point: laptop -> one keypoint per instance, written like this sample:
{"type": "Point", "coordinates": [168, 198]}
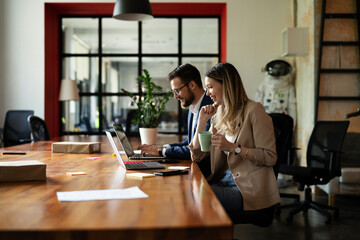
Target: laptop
{"type": "Point", "coordinates": [134, 165]}
{"type": "Point", "coordinates": [124, 141]}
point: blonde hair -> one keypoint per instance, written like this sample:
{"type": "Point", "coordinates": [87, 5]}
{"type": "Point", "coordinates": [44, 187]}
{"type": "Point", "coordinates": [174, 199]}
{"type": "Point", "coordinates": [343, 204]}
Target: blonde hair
{"type": "Point", "coordinates": [231, 113]}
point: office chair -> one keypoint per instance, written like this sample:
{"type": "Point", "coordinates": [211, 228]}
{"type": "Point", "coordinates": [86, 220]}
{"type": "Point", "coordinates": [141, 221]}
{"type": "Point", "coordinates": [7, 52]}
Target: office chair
{"type": "Point", "coordinates": [105, 124]}
{"type": "Point", "coordinates": [86, 121]}
{"type": "Point", "coordinates": [16, 127]}
{"type": "Point", "coordinates": [264, 217]}
{"type": "Point", "coordinates": [39, 130]}
{"type": "Point", "coordinates": [323, 164]}
{"type": "Point", "coordinates": [287, 156]}
{"type": "Point", "coordinates": [1, 137]}
{"type": "Point", "coordinates": [129, 123]}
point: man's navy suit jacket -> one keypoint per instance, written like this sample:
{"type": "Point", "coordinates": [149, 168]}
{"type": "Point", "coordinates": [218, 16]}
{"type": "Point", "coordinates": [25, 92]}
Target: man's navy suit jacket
{"type": "Point", "coordinates": [181, 150]}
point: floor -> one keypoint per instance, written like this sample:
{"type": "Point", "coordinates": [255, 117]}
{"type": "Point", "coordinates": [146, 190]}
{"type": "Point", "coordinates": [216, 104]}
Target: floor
{"type": "Point", "coordinates": [310, 226]}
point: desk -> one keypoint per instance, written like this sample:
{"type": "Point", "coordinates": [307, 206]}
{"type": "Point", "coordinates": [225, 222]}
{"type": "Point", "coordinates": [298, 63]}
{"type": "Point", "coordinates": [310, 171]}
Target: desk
{"type": "Point", "coordinates": [178, 207]}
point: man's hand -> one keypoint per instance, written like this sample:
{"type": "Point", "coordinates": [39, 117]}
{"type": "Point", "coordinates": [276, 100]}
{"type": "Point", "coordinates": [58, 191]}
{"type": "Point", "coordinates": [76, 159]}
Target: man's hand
{"type": "Point", "coordinates": [150, 149]}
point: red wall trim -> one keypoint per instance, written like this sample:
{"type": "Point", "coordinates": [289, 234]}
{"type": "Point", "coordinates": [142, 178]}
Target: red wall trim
{"type": "Point", "coordinates": [160, 9]}
{"type": "Point", "coordinates": [51, 70]}
{"type": "Point", "coordinates": [53, 11]}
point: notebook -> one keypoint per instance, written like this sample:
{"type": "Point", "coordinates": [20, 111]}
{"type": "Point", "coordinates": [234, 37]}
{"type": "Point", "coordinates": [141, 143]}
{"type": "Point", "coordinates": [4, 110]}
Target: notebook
{"type": "Point", "coordinates": [134, 165]}
{"type": "Point", "coordinates": [124, 141]}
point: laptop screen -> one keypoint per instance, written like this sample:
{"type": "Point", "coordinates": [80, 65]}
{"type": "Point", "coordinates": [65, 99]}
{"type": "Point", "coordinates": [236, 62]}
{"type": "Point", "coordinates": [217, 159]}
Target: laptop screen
{"type": "Point", "coordinates": [116, 151]}
{"type": "Point", "coordinates": [119, 130]}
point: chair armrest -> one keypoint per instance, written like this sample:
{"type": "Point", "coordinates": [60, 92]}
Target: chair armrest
{"type": "Point", "coordinates": [290, 156]}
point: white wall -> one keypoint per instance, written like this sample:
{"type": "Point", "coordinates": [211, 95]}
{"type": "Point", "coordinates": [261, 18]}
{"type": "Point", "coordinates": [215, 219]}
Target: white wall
{"type": "Point", "coordinates": [22, 56]}
{"type": "Point", "coordinates": [2, 63]}
{"type": "Point", "coordinates": [253, 37]}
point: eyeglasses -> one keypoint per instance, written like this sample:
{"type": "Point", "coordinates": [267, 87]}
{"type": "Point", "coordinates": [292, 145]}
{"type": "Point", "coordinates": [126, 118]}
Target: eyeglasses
{"type": "Point", "coordinates": [177, 90]}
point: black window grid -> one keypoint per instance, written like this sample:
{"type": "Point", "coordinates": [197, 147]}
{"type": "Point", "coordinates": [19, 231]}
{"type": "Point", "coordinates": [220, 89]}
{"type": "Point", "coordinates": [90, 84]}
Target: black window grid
{"type": "Point", "coordinates": [100, 94]}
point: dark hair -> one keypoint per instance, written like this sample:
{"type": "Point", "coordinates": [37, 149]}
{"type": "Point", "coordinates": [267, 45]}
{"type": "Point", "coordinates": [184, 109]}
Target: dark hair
{"type": "Point", "coordinates": [186, 73]}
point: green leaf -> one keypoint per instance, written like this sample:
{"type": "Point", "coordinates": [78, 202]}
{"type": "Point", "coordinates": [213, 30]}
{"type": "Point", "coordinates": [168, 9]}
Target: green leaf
{"type": "Point", "coordinates": [150, 106]}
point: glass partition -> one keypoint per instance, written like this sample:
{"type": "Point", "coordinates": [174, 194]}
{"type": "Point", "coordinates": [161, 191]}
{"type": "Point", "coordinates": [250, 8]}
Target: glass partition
{"type": "Point", "coordinates": [84, 70]}
{"type": "Point", "coordinates": [119, 36]}
{"type": "Point", "coordinates": [200, 35]}
{"type": "Point", "coordinates": [118, 73]}
{"type": "Point", "coordinates": [80, 35]}
{"type": "Point", "coordinates": [105, 55]}
{"type": "Point", "coordinates": [160, 36]}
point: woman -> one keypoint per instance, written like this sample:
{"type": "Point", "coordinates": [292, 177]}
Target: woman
{"type": "Point", "coordinates": [243, 149]}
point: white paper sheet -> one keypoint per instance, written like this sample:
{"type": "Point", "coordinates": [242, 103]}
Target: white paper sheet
{"type": "Point", "coordinates": [21, 163]}
{"type": "Point", "coordinates": [90, 195]}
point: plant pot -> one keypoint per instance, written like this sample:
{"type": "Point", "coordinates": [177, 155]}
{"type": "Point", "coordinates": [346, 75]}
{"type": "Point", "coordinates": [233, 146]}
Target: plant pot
{"type": "Point", "coordinates": [148, 135]}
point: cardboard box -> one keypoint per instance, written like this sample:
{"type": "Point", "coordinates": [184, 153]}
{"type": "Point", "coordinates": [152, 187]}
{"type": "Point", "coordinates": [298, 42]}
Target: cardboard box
{"type": "Point", "coordinates": [76, 147]}
{"type": "Point", "coordinates": [27, 170]}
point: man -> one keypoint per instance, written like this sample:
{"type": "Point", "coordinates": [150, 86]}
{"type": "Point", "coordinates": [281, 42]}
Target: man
{"type": "Point", "coordinates": [186, 85]}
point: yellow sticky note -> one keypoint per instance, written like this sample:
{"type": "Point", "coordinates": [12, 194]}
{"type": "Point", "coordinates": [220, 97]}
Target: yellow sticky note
{"type": "Point", "coordinates": [140, 175]}
{"type": "Point", "coordinates": [75, 173]}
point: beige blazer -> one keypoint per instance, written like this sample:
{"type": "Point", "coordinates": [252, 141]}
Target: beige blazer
{"type": "Point", "coordinates": [255, 178]}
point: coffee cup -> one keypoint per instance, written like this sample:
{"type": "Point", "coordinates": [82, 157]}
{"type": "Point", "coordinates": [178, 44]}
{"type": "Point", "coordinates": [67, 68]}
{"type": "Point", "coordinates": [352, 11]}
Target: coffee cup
{"type": "Point", "coordinates": [205, 141]}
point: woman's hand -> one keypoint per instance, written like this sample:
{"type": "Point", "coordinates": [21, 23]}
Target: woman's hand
{"type": "Point", "coordinates": [218, 140]}
{"type": "Point", "coordinates": [207, 112]}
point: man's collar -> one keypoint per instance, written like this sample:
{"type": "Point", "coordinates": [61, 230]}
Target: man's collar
{"type": "Point", "coordinates": [194, 108]}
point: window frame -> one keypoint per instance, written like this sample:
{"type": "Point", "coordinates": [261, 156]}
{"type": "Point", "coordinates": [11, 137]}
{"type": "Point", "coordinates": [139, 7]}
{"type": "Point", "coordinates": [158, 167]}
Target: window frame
{"type": "Point", "coordinates": [55, 11]}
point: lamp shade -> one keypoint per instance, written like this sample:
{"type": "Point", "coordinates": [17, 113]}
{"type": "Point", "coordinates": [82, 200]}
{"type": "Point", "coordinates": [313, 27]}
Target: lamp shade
{"type": "Point", "coordinates": [132, 10]}
{"type": "Point", "coordinates": [68, 90]}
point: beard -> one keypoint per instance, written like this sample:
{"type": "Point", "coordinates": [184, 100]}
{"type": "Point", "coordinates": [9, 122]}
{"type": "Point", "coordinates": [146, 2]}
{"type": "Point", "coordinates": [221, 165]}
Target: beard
{"type": "Point", "coordinates": [188, 101]}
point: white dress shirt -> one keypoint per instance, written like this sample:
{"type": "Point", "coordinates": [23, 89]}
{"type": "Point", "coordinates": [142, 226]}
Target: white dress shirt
{"type": "Point", "coordinates": [194, 110]}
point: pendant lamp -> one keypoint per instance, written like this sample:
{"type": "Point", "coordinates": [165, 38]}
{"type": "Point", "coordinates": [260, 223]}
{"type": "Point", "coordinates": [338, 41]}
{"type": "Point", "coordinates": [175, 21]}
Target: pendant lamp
{"type": "Point", "coordinates": [132, 10]}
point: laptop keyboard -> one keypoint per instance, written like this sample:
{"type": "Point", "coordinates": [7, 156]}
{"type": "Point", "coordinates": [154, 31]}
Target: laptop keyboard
{"type": "Point", "coordinates": [136, 165]}
{"type": "Point", "coordinates": [137, 156]}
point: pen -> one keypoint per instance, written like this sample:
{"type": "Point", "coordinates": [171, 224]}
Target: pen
{"type": "Point", "coordinates": [14, 153]}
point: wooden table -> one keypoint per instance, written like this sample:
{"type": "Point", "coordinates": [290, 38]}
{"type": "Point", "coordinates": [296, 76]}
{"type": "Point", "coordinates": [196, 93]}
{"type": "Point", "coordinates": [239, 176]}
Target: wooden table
{"type": "Point", "coordinates": [178, 207]}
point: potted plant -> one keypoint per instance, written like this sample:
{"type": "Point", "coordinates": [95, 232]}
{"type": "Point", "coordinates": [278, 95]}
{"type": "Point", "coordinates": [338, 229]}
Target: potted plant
{"type": "Point", "coordinates": [150, 106]}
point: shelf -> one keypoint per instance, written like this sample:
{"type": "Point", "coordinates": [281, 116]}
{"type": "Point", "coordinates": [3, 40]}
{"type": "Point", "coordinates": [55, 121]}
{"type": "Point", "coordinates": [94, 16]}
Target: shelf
{"type": "Point", "coordinates": [340, 15]}
{"type": "Point", "coordinates": [337, 43]}
{"type": "Point", "coordinates": [323, 70]}
{"type": "Point", "coordinates": [346, 20]}
{"type": "Point", "coordinates": [339, 98]}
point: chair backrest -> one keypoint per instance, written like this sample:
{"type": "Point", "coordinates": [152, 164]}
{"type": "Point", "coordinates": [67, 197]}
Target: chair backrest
{"type": "Point", "coordinates": [39, 130]}
{"type": "Point", "coordinates": [129, 123]}
{"type": "Point", "coordinates": [283, 128]}
{"type": "Point", "coordinates": [326, 137]}
{"type": "Point", "coordinates": [290, 145]}
{"type": "Point", "coordinates": [16, 127]}
{"type": "Point", "coordinates": [85, 120]}
{"type": "Point", "coordinates": [105, 123]}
